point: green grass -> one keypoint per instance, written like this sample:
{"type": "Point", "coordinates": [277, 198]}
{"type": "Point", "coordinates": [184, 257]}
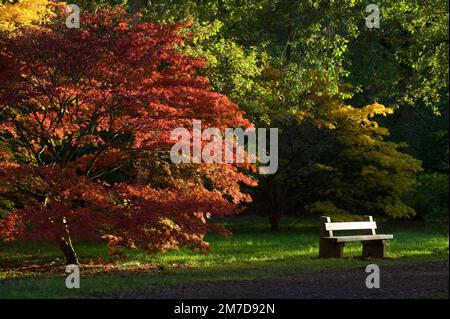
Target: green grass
{"type": "Point", "coordinates": [251, 253]}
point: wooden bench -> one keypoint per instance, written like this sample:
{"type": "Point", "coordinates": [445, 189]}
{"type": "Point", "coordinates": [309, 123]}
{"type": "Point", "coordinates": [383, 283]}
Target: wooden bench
{"type": "Point", "coordinates": [333, 246]}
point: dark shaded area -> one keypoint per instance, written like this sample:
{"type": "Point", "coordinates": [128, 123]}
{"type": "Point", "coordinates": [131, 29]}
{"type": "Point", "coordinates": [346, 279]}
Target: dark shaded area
{"type": "Point", "coordinates": [428, 280]}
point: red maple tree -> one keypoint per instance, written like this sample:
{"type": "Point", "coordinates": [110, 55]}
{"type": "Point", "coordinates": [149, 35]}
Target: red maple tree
{"type": "Point", "coordinates": [85, 121]}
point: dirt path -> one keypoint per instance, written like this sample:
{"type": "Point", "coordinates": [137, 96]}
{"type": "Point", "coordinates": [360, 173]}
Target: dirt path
{"type": "Point", "coordinates": [403, 281]}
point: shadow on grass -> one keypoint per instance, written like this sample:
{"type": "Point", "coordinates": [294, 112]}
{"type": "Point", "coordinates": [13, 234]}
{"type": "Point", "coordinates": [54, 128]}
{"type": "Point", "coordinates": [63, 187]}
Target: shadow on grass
{"type": "Point", "coordinates": [116, 281]}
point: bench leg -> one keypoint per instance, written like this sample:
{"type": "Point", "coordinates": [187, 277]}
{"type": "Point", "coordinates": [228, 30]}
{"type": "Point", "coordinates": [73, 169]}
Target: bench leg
{"type": "Point", "coordinates": [374, 249]}
{"type": "Point", "coordinates": [328, 249]}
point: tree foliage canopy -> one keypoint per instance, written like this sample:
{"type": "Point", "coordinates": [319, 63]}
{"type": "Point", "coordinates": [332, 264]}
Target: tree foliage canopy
{"type": "Point", "coordinates": [87, 116]}
{"type": "Point", "coordinates": [15, 14]}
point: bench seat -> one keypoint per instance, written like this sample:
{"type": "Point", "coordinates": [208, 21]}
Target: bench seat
{"type": "Point", "coordinates": [344, 239]}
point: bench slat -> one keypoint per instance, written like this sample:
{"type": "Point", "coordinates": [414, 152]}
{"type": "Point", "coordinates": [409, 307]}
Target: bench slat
{"type": "Point", "coordinates": [350, 225]}
{"type": "Point", "coordinates": [342, 239]}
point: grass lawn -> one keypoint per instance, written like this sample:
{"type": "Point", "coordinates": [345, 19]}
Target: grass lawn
{"type": "Point", "coordinates": [35, 270]}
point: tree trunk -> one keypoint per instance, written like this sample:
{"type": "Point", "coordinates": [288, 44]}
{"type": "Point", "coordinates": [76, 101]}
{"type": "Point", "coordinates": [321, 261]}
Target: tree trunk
{"type": "Point", "coordinates": [274, 219]}
{"type": "Point", "coordinates": [277, 199]}
{"type": "Point", "coordinates": [289, 45]}
{"type": "Point", "coordinates": [66, 247]}
{"type": "Point", "coordinates": [135, 5]}
{"type": "Point", "coordinates": [65, 243]}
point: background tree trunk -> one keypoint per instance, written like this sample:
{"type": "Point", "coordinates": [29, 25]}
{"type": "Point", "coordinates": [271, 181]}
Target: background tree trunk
{"type": "Point", "coordinates": [274, 219]}
{"type": "Point", "coordinates": [277, 198]}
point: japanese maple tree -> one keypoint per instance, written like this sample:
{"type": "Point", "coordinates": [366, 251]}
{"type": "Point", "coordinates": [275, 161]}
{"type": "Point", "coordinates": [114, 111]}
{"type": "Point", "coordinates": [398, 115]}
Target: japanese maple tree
{"type": "Point", "coordinates": [85, 122]}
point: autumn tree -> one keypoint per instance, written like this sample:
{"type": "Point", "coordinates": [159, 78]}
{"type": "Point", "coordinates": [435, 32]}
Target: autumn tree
{"type": "Point", "coordinates": [86, 120]}
{"type": "Point", "coordinates": [335, 159]}
{"type": "Point", "coordinates": [18, 13]}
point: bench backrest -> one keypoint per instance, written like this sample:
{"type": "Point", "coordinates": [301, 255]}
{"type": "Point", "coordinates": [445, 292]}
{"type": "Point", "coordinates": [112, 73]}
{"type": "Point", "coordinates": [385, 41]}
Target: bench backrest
{"type": "Point", "coordinates": [327, 227]}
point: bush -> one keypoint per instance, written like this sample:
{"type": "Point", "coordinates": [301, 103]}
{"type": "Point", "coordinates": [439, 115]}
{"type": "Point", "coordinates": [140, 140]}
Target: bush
{"type": "Point", "coordinates": [430, 199]}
